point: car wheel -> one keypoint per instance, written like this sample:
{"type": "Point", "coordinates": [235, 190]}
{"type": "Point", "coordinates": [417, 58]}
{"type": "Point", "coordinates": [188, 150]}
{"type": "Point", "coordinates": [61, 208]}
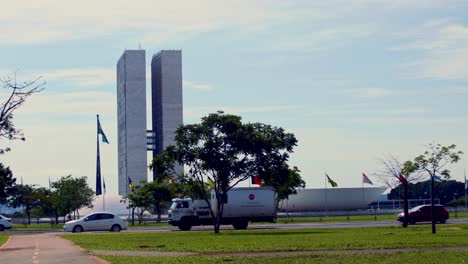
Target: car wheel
{"type": "Point", "coordinates": [241, 224]}
{"type": "Point", "coordinates": [116, 228]}
{"type": "Point", "coordinates": [2, 228]}
{"type": "Point", "coordinates": [412, 222]}
{"type": "Point", "coordinates": [77, 229]}
{"type": "Point", "coordinates": [442, 221]}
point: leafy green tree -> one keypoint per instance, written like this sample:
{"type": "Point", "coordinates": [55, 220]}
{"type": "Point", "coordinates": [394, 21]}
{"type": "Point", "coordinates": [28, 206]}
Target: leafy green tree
{"type": "Point", "coordinates": [224, 151]}
{"type": "Point", "coordinates": [284, 180]}
{"type": "Point", "coordinates": [160, 193]}
{"type": "Point", "coordinates": [47, 203]}
{"type": "Point", "coordinates": [434, 162]}
{"type": "Point", "coordinates": [7, 183]}
{"type": "Point", "coordinates": [139, 201]}
{"type": "Point", "coordinates": [72, 194]}
{"type": "Point", "coordinates": [17, 93]}
{"type": "Point", "coordinates": [23, 196]}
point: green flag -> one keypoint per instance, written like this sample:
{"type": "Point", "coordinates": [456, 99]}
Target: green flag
{"type": "Point", "coordinates": [332, 182]}
{"type": "Point", "coordinates": [101, 132]}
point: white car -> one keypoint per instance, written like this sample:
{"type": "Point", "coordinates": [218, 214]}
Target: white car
{"type": "Point", "coordinates": [5, 223]}
{"type": "Point", "coordinates": [100, 221]}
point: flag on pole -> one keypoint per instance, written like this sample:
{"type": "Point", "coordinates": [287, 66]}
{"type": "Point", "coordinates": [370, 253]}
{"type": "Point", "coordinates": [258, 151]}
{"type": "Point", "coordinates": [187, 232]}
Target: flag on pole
{"type": "Point", "coordinates": [101, 132]}
{"type": "Point", "coordinates": [332, 182]}
{"type": "Point", "coordinates": [256, 180]}
{"type": "Point", "coordinates": [403, 179]}
{"type": "Point", "coordinates": [130, 183]}
{"type": "Point", "coordinates": [366, 179]}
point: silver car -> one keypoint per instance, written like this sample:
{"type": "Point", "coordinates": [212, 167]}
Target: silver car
{"type": "Point", "coordinates": [5, 223]}
{"type": "Point", "coordinates": [101, 221]}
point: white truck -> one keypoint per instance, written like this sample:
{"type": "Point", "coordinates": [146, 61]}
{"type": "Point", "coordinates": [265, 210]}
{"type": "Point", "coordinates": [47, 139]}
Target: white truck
{"type": "Point", "coordinates": [243, 205]}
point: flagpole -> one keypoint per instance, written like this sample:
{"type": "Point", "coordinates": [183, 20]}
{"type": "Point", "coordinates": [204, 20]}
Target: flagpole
{"type": "Point", "coordinates": [464, 173]}
{"type": "Point", "coordinates": [326, 200]}
{"type": "Point", "coordinates": [98, 162]}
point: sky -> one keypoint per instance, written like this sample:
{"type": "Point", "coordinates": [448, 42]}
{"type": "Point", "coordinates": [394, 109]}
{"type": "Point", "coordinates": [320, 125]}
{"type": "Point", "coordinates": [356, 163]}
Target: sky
{"type": "Point", "coordinates": [353, 80]}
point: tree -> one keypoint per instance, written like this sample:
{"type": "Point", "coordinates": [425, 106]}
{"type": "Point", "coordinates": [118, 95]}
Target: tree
{"type": "Point", "coordinates": [139, 200]}
{"type": "Point", "coordinates": [7, 182]}
{"type": "Point", "coordinates": [395, 173]}
{"type": "Point", "coordinates": [435, 161]}
{"type": "Point", "coordinates": [17, 93]}
{"type": "Point", "coordinates": [224, 151]}
{"type": "Point", "coordinates": [47, 203]}
{"type": "Point", "coordinates": [284, 180]}
{"type": "Point", "coordinates": [23, 195]}
{"type": "Point", "coordinates": [160, 192]}
{"type": "Point", "coordinates": [72, 194]}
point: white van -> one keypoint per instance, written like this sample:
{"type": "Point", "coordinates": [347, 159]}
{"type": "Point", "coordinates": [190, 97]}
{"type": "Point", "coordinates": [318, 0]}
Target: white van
{"type": "Point", "coordinates": [5, 223]}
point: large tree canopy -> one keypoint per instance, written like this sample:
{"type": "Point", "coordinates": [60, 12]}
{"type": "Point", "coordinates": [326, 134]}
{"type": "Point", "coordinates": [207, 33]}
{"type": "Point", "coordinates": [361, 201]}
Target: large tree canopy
{"type": "Point", "coordinates": [224, 151]}
{"type": "Point", "coordinates": [7, 182]}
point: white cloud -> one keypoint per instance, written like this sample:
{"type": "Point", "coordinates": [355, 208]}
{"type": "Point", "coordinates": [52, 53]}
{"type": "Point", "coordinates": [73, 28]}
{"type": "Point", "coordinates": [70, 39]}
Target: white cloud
{"type": "Point", "coordinates": [369, 92]}
{"type": "Point", "coordinates": [68, 105]}
{"type": "Point", "coordinates": [82, 77]}
{"type": "Point", "coordinates": [197, 112]}
{"type": "Point", "coordinates": [197, 86]}
{"type": "Point", "coordinates": [50, 20]}
{"type": "Point", "coordinates": [443, 45]}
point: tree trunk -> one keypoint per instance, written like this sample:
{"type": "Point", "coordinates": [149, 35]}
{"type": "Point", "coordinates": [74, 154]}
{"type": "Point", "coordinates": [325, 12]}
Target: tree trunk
{"type": "Point", "coordinates": [133, 216]}
{"type": "Point", "coordinates": [28, 214]}
{"type": "Point", "coordinates": [406, 218]}
{"type": "Point", "coordinates": [432, 205]}
{"type": "Point", "coordinates": [158, 212]}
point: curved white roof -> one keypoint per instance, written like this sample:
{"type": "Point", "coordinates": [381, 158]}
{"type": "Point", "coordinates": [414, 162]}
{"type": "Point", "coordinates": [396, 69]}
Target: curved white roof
{"type": "Point", "coordinates": [331, 199]}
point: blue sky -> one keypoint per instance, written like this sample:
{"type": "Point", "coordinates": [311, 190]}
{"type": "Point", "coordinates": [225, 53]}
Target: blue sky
{"type": "Point", "coordinates": [354, 80]}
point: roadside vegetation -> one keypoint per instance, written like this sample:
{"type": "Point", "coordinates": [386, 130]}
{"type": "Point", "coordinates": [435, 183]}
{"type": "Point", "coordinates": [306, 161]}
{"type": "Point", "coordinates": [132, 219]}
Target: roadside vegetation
{"type": "Point", "coordinates": [423, 257]}
{"type": "Point", "coordinates": [3, 238]}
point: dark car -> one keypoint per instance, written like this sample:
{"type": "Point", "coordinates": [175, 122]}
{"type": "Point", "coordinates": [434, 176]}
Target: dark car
{"type": "Point", "coordinates": [422, 213]}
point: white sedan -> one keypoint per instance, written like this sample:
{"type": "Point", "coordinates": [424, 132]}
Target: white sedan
{"type": "Point", "coordinates": [5, 223]}
{"type": "Point", "coordinates": [97, 222]}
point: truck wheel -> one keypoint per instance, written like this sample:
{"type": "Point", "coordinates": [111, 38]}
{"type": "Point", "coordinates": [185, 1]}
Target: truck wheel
{"type": "Point", "coordinates": [241, 224]}
{"type": "Point", "coordinates": [185, 227]}
{"type": "Point", "coordinates": [2, 228]}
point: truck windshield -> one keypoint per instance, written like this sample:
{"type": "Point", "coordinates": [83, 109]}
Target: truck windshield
{"type": "Point", "coordinates": [179, 204]}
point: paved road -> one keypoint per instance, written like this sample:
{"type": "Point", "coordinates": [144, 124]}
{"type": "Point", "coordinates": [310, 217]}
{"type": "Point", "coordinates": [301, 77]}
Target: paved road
{"type": "Point", "coordinates": [44, 248]}
{"type": "Point", "coordinates": [292, 225]}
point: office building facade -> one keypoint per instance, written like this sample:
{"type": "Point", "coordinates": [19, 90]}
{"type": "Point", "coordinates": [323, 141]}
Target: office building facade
{"type": "Point", "coordinates": [166, 95]}
{"type": "Point", "coordinates": [131, 119]}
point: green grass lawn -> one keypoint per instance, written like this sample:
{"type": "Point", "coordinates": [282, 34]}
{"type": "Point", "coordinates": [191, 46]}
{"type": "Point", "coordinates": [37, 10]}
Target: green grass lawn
{"type": "Point", "coordinates": [274, 240]}
{"type": "Point", "coordinates": [423, 257]}
{"type": "Point", "coordinates": [3, 238]}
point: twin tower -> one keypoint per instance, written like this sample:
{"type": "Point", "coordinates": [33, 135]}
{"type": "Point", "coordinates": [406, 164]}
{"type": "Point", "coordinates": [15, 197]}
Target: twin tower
{"type": "Point", "coordinates": [134, 139]}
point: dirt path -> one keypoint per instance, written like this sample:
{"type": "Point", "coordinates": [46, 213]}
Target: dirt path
{"type": "Point", "coordinates": [261, 253]}
{"type": "Point", "coordinates": [43, 248]}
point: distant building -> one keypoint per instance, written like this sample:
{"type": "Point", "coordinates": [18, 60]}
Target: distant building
{"type": "Point", "coordinates": [131, 115]}
{"type": "Point", "coordinates": [166, 95]}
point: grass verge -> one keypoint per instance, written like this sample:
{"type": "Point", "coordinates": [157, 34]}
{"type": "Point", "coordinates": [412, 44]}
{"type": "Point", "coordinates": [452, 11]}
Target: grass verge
{"type": "Point", "coordinates": [3, 238]}
{"type": "Point", "coordinates": [423, 257]}
{"type": "Point", "coordinates": [275, 240]}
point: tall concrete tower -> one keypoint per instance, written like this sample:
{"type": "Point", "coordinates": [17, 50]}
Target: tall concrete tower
{"type": "Point", "coordinates": [166, 95]}
{"type": "Point", "coordinates": [131, 115]}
